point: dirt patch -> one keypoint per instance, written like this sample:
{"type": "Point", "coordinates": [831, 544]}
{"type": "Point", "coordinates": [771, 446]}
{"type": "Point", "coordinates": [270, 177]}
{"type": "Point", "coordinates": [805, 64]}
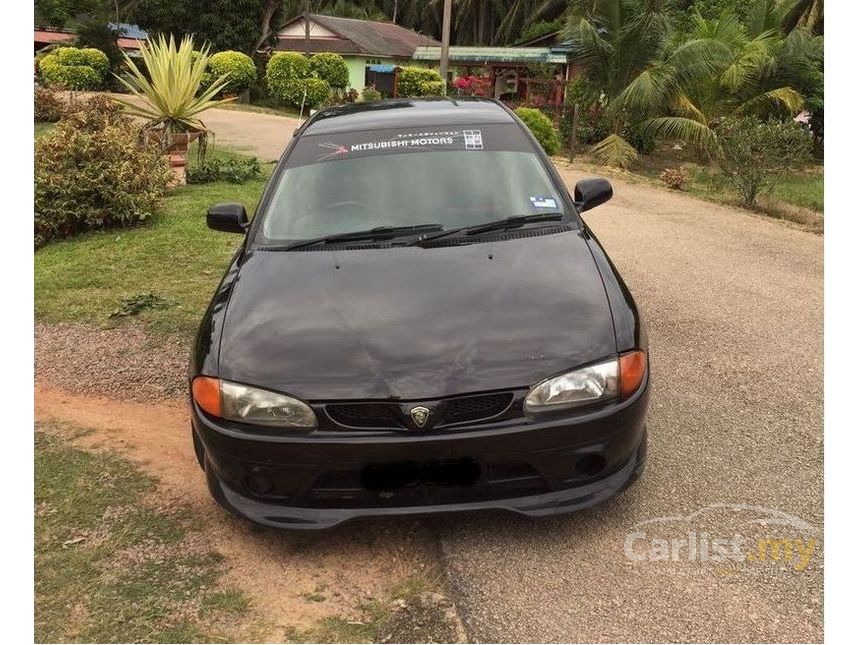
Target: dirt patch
{"type": "Point", "coordinates": [124, 362]}
{"type": "Point", "coordinates": [282, 573]}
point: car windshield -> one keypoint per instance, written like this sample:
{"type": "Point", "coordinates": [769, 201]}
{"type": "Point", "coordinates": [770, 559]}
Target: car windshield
{"type": "Point", "coordinates": [338, 183]}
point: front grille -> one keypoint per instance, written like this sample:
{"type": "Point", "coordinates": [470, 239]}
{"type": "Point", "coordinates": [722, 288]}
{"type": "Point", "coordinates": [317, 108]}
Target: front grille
{"type": "Point", "coordinates": [364, 415]}
{"type": "Point", "coordinates": [395, 416]}
{"type": "Point", "coordinates": [471, 408]}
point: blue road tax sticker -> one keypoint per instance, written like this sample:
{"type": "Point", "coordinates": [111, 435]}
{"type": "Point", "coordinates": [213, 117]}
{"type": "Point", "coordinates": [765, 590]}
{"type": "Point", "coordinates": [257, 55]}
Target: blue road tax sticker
{"type": "Point", "coordinates": [543, 202]}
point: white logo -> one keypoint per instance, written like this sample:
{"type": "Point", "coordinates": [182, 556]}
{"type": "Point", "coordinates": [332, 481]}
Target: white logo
{"type": "Point", "coordinates": [473, 139]}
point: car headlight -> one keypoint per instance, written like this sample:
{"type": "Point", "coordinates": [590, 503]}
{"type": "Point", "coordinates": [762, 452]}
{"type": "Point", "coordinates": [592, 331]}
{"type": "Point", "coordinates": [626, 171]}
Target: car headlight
{"type": "Point", "coordinates": [253, 405]}
{"type": "Point", "coordinates": [619, 377]}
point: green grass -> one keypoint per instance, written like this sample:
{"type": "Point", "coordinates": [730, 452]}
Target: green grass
{"type": "Point", "coordinates": [799, 196]}
{"type": "Point", "coordinates": [800, 189]}
{"type": "Point", "coordinates": [111, 568]}
{"type": "Point", "coordinates": [174, 256]}
{"type": "Point", "coordinates": [383, 620]}
{"type": "Point", "coordinates": [42, 128]}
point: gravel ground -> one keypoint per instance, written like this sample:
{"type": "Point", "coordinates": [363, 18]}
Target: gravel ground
{"type": "Point", "coordinates": [123, 363]}
{"type": "Point", "coordinates": [734, 307]}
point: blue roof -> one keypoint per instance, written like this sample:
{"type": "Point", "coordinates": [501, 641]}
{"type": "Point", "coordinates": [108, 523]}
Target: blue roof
{"type": "Point", "coordinates": [125, 30]}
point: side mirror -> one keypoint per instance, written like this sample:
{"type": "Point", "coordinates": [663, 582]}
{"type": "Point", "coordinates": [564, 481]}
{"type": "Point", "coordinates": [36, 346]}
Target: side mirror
{"type": "Point", "coordinates": [228, 217]}
{"type": "Point", "coordinates": [592, 192]}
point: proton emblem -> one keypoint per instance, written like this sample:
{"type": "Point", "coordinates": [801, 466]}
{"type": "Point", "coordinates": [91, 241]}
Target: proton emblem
{"type": "Point", "coordinates": [419, 415]}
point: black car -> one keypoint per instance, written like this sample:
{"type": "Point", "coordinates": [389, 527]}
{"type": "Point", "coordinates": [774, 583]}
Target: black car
{"type": "Point", "coordinates": [417, 320]}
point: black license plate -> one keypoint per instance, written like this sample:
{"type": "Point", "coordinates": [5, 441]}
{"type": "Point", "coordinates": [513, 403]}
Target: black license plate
{"type": "Point", "coordinates": [385, 477]}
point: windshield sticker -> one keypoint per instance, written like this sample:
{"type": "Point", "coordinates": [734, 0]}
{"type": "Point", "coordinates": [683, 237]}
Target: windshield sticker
{"type": "Point", "coordinates": [473, 140]}
{"type": "Point", "coordinates": [446, 140]}
{"type": "Point", "coordinates": [543, 202]}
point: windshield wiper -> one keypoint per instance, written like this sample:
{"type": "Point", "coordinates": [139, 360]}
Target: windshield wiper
{"type": "Point", "coordinates": [377, 233]}
{"type": "Point", "coordinates": [509, 222]}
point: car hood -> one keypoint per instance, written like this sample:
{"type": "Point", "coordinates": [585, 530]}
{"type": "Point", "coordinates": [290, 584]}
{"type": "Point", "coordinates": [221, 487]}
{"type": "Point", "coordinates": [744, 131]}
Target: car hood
{"type": "Point", "coordinates": [414, 323]}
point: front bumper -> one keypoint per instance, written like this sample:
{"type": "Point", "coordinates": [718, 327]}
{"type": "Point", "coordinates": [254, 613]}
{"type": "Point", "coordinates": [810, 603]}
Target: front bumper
{"type": "Point", "coordinates": [534, 468]}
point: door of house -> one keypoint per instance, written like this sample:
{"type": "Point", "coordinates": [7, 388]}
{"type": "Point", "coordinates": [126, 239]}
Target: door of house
{"type": "Point", "coordinates": [382, 77]}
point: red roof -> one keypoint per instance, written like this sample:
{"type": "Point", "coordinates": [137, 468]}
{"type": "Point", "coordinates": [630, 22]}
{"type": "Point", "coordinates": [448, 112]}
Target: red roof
{"type": "Point", "coordinates": [48, 36]}
{"type": "Point", "coordinates": [43, 37]}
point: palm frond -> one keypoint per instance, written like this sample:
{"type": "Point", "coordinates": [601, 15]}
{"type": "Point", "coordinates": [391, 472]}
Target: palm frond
{"type": "Point", "coordinates": [783, 99]}
{"type": "Point", "coordinates": [751, 62]}
{"type": "Point", "coordinates": [685, 106]}
{"type": "Point", "coordinates": [647, 92]}
{"type": "Point", "coordinates": [677, 128]}
{"type": "Point", "coordinates": [615, 151]}
{"type": "Point", "coordinates": [589, 46]}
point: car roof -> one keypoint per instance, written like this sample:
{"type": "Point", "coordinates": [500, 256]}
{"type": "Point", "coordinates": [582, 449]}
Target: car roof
{"type": "Point", "coordinates": [401, 113]}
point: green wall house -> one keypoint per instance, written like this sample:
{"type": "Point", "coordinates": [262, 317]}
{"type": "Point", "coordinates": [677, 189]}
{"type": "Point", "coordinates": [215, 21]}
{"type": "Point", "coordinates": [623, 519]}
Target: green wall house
{"type": "Point", "coordinates": [372, 50]}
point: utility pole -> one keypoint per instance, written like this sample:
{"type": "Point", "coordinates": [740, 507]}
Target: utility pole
{"type": "Point", "coordinates": [446, 41]}
{"type": "Point", "coordinates": [308, 28]}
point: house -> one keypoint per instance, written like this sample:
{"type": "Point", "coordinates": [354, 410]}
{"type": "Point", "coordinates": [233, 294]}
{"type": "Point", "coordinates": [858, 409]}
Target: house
{"type": "Point", "coordinates": [511, 70]}
{"type": "Point", "coordinates": [372, 50]}
{"type": "Point", "coordinates": [128, 37]}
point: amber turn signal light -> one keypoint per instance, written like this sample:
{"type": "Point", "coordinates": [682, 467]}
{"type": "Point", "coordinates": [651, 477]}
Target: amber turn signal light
{"type": "Point", "coordinates": [207, 394]}
{"type": "Point", "coordinates": [632, 370]}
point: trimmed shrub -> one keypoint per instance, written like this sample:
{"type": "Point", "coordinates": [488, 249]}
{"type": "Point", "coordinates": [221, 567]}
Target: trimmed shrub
{"type": "Point", "coordinates": [419, 81]}
{"type": "Point", "coordinates": [74, 69]}
{"type": "Point", "coordinates": [313, 91]}
{"type": "Point", "coordinates": [541, 127]}
{"type": "Point", "coordinates": [754, 154]}
{"type": "Point", "coordinates": [432, 88]}
{"type": "Point", "coordinates": [331, 68]}
{"type": "Point", "coordinates": [282, 73]}
{"type": "Point", "coordinates": [92, 171]}
{"type": "Point", "coordinates": [371, 94]}
{"type": "Point", "coordinates": [318, 91]}
{"type": "Point", "coordinates": [674, 178]}
{"type": "Point", "coordinates": [47, 106]}
{"type": "Point", "coordinates": [238, 67]}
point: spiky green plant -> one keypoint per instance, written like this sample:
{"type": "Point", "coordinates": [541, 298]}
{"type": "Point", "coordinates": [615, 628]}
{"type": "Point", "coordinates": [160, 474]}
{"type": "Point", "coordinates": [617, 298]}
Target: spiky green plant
{"type": "Point", "coordinates": [169, 90]}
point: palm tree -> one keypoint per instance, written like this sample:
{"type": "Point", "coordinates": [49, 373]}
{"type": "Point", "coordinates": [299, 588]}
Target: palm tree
{"type": "Point", "coordinates": [720, 70]}
{"type": "Point", "coordinates": [616, 41]}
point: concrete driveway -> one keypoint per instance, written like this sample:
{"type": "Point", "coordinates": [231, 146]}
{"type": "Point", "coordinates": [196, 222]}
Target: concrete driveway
{"type": "Point", "coordinates": [263, 135]}
{"type": "Point", "coordinates": [734, 307]}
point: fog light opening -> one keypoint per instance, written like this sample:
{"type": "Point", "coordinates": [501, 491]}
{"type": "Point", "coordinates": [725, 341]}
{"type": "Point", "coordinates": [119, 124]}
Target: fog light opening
{"type": "Point", "coordinates": [259, 484]}
{"type": "Point", "coordinates": [590, 465]}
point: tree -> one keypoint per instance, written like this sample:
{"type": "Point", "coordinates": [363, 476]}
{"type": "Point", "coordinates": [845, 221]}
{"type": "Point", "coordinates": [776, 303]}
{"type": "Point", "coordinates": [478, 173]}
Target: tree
{"type": "Point", "coordinates": [723, 68]}
{"type": "Point", "coordinates": [59, 13]}
{"type": "Point", "coordinates": [615, 41]}
{"type": "Point", "coordinates": [754, 154]}
{"type": "Point", "coordinates": [241, 25]}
